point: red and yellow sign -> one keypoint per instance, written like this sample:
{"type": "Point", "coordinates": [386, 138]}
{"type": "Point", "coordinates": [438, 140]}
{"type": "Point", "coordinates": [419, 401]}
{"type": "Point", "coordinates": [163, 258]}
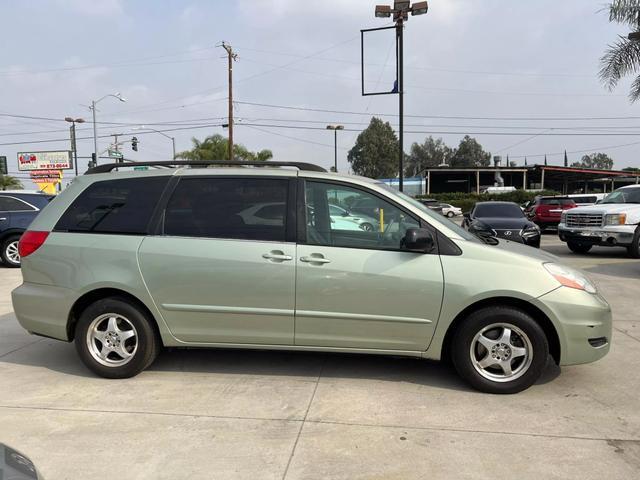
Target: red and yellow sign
{"type": "Point", "coordinates": [47, 180]}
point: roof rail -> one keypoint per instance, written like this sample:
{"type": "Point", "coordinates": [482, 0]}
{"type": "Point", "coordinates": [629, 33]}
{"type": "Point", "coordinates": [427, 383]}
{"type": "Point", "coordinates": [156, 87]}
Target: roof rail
{"type": "Point", "coordinates": [204, 163]}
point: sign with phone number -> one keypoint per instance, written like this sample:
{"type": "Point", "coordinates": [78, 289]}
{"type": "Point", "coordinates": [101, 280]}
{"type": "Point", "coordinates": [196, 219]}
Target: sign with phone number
{"type": "Point", "coordinates": [51, 160]}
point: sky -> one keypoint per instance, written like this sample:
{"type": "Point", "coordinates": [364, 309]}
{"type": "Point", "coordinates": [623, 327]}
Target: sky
{"type": "Point", "coordinates": [517, 75]}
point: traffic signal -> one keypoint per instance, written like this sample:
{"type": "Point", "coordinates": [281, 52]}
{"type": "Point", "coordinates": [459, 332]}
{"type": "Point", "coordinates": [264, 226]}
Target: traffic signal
{"type": "Point", "coordinates": [134, 144]}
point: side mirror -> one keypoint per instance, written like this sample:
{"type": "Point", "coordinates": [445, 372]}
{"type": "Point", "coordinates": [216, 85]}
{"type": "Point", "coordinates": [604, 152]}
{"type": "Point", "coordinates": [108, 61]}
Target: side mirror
{"type": "Point", "coordinates": [418, 240]}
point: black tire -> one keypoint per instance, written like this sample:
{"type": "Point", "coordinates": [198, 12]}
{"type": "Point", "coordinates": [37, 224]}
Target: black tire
{"type": "Point", "coordinates": [526, 368]}
{"type": "Point", "coordinates": [633, 250]}
{"type": "Point", "coordinates": [128, 314]}
{"type": "Point", "coordinates": [579, 247]}
{"type": "Point", "coordinates": [7, 255]}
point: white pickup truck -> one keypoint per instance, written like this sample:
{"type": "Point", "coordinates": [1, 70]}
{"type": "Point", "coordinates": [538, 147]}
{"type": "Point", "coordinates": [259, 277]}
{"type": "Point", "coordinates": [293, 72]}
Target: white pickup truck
{"type": "Point", "coordinates": [615, 221]}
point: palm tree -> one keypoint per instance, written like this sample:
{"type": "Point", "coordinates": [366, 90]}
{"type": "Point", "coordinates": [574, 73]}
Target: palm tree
{"type": "Point", "coordinates": [215, 147]}
{"type": "Point", "coordinates": [8, 182]}
{"type": "Point", "coordinates": [623, 57]}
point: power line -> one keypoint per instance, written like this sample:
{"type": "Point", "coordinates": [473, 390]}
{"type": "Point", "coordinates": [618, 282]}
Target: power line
{"type": "Point", "coordinates": [450, 117]}
{"type": "Point", "coordinates": [289, 136]}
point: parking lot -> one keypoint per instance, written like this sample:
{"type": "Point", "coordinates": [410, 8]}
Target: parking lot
{"type": "Point", "coordinates": [251, 414]}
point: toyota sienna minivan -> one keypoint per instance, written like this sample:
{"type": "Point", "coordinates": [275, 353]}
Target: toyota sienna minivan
{"type": "Point", "coordinates": [125, 263]}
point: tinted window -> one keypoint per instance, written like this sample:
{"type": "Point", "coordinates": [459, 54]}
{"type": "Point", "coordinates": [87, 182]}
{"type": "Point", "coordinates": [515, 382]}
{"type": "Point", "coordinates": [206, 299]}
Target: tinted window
{"type": "Point", "coordinates": [114, 206]}
{"type": "Point", "coordinates": [556, 201]}
{"type": "Point", "coordinates": [383, 230]}
{"type": "Point", "coordinates": [498, 210]}
{"type": "Point", "coordinates": [243, 208]}
{"type": "Point", "coordinates": [8, 204]}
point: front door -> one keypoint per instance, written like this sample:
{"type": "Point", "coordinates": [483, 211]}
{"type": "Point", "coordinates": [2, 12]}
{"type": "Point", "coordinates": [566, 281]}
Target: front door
{"type": "Point", "coordinates": [356, 287]}
{"type": "Point", "coordinates": [222, 270]}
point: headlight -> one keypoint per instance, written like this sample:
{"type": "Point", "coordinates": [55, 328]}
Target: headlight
{"type": "Point", "coordinates": [530, 231]}
{"type": "Point", "coordinates": [482, 227]}
{"type": "Point", "coordinates": [563, 216]}
{"type": "Point", "coordinates": [568, 277]}
{"type": "Point", "coordinates": [615, 219]}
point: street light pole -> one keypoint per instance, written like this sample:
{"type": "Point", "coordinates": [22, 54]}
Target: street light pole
{"type": "Point", "coordinates": [95, 128]}
{"type": "Point", "coordinates": [335, 129]}
{"type": "Point", "coordinates": [400, 12]}
{"type": "Point", "coordinates": [74, 146]}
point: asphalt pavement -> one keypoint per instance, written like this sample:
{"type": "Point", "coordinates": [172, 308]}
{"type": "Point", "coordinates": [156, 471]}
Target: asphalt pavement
{"type": "Point", "coordinates": [221, 414]}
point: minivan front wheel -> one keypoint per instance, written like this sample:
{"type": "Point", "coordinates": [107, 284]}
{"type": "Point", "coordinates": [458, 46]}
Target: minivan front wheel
{"type": "Point", "coordinates": [115, 339]}
{"type": "Point", "coordinates": [500, 350]}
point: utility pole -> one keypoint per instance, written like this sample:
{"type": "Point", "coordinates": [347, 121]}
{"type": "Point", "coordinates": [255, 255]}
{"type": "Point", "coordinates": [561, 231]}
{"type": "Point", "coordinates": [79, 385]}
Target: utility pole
{"type": "Point", "coordinates": [335, 129]}
{"type": "Point", "coordinates": [399, 31]}
{"type": "Point", "coordinates": [232, 57]}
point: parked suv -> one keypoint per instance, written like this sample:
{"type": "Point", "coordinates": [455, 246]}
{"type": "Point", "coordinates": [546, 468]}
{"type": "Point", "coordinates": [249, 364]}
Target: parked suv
{"type": "Point", "coordinates": [17, 211]}
{"type": "Point", "coordinates": [126, 263]}
{"type": "Point", "coordinates": [615, 221]}
{"type": "Point", "coordinates": [545, 211]}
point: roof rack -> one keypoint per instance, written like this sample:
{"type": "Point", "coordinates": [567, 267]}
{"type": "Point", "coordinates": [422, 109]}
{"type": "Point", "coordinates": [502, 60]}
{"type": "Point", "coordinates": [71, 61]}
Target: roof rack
{"type": "Point", "coordinates": [204, 163]}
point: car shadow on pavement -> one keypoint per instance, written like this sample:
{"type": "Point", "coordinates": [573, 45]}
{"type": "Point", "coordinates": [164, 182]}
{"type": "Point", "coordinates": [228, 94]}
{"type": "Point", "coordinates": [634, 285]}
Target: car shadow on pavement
{"type": "Point", "coordinates": [61, 357]}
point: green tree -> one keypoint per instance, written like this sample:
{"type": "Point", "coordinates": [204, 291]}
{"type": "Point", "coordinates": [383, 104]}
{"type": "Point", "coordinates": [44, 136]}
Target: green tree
{"type": "Point", "coordinates": [631, 169]}
{"type": "Point", "coordinates": [431, 153]}
{"type": "Point", "coordinates": [7, 182]}
{"type": "Point", "coordinates": [623, 57]}
{"type": "Point", "coordinates": [375, 153]}
{"type": "Point", "coordinates": [599, 161]}
{"type": "Point", "coordinates": [216, 147]}
{"type": "Point", "coordinates": [470, 154]}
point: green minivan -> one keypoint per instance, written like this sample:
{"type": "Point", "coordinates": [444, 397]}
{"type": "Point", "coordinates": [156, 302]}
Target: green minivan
{"type": "Point", "coordinates": [248, 255]}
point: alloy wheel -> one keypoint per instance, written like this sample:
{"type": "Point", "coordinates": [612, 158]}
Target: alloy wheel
{"type": "Point", "coordinates": [11, 252]}
{"type": "Point", "coordinates": [112, 340]}
{"type": "Point", "coordinates": [501, 352]}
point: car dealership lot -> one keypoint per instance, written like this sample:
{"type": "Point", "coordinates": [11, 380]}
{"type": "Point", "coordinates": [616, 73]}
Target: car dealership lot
{"type": "Point", "coordinates": [251, 414]}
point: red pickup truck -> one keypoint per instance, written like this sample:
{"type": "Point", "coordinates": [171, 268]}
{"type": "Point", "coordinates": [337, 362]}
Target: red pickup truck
{"type": "Point", "coordinates": [546, 211]}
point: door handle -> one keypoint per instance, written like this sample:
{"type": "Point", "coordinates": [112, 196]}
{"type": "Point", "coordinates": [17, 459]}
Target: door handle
{"type": "Point", "coordinates": [315, 258]}
{"type": "Point", "coordinates": [277, 256]}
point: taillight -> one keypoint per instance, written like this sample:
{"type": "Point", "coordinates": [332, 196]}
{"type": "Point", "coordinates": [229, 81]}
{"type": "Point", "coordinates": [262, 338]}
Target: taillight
{"type": "Point", "coordinates": [30, 241]}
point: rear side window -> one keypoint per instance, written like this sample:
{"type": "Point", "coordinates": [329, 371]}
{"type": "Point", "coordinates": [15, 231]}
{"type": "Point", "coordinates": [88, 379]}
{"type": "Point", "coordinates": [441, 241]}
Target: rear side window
{"type": "Point", "coordinates": [242, 208]}
{"type": "Point", "coordinates": [9, 204]}
{"type": "Point", "coordinates": [114, 206]}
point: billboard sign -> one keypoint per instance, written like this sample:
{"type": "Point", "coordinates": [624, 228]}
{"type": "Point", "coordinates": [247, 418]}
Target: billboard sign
{"type": "Point", "coordinates": [52, 160]}
{"type": "Point", "coordinates": [46, 176]}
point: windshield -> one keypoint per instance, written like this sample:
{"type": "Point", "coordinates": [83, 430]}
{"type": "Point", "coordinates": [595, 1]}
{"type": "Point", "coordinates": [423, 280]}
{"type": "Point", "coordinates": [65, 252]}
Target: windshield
{"type": "Point", "coordinates": [624, 195]}
{"type": "Point", "coordinates": [430, 213]}
{"type": "Point", "coordinates": [502, 210]}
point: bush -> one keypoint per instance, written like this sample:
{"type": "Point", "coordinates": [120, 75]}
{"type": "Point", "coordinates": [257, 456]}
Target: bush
{"type": "Point", "coordinates": [466, 201]}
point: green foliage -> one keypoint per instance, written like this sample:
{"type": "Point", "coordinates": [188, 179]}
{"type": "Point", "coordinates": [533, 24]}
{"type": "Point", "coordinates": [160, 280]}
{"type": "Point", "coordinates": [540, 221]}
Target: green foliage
{"type": "Point", "coordinates": [622, 57]}
{"type": "Point", "coordinates": [216, 147]}
{"type": "Point", "coordinates": [600, 161]}
{"type": "Point", "coordinates": [429, 154]}
{"type": "Point", "coordinates": [7, 182]}
{"type": "Point", "coordinates": [375, 153]}
{"type": "Point", "coordinates": [470, 154]}
{"type": "Point", "coordinates": [631, 169]}
{"type": "Point", "coordinates": [466, 201]}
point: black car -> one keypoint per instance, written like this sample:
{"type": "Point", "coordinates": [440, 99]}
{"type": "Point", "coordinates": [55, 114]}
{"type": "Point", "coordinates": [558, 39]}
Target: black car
{"type": "Point", "coordinates": [17, 211]}
{"type": "Point", "coordinates": [504, 220]}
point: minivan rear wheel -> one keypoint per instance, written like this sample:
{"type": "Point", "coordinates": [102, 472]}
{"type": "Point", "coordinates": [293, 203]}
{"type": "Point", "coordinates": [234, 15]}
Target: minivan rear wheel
{"type": "Point", "coordinates": [500, 350]}
{"type": "Point", "coordinates": [115, 338]}
{"type": "Point", "coordinates": [10, 255]}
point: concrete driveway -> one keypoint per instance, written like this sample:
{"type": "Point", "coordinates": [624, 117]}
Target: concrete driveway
{"type": "Point", "coordinates": [240, 414]}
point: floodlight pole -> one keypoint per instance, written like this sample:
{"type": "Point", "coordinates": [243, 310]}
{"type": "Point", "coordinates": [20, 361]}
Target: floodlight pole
{"type": "Point", "coordinates": [399, 30]}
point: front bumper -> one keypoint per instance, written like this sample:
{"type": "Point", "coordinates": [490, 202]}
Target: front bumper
{"type": "Point", "coordinates": [607, 236]}
{"type": "Point", "coordinates": [582, 321]}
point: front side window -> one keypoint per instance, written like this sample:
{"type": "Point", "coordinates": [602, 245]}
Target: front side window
{"type": "Point", "coordinates": [9, 204]}
{"type": "Point", "coordinates": [370, 221]}
{"type": "Point", "coordinates": [234, 208]}
{"type": "Point", "coordinates": [122, 206]}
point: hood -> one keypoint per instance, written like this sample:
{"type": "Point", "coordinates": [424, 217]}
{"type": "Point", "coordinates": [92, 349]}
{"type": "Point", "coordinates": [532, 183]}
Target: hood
{"type": "Point", "coordinates": [521, 249]}
{"type": "Point", "coordinates": [603, 208]}
{"type": "Point", "coordinates": [504, 223]}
